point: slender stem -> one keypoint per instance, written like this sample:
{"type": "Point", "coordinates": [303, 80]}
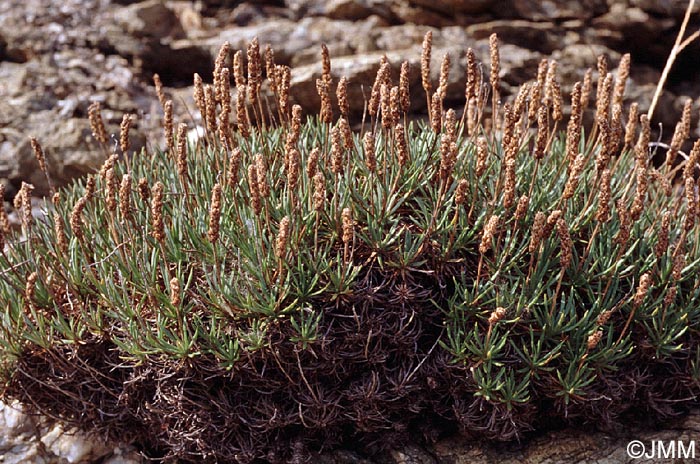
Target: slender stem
{"type": "Point", "coordinates": [677, 48]}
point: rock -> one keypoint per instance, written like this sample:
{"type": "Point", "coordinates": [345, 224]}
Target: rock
{"type": "Point", "coordinates": [455, 6]}
{"type": "Point", "coordinates": [149, 19]}
{"type": "Point", "coordinates": [71, 446]}
{"type": "Point", "coordinates": [544, 37]}
{"type": "Point", "coordinates": [674, 8]}
{"type": "Point", "coordinates": [28, 439]}
{"type": "Point", "coordinates": [354, 10]}
{"type": "Point", "coordinates": [549, 10]}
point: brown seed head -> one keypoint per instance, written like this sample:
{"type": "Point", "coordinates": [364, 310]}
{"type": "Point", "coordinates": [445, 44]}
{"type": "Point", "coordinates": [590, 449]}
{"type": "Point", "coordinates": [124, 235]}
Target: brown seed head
{"type": "Point", "coordinates": [537, 233]}
{"type": "Point", "coordinates": [76, 218]}
{"type": "Point", "coordinates": [631, 127]}
{"type": "Point", "coordinates": [182, 169]}
{"type": "Point", "coordinates": [144, 190]}
{"type": "Point", "coordinates": [497, 315]}
{"type": "Point", "coordinates": [157, 223]}
{"type": "Point", "coordinates": [685, 118]}
{"type": "Point", "coordinates": [603, 102]}
{"type": "Point", "coordinates": [383, 78]}
{"type": "Point", "coordinates": [346, 132]}
{"type": "Point", "coordinates": [30, 289]}
{"type": "Point", "coordinates": [678, 263]}
{"type": "Point", "coordinates": [623, 234]}
{"type": "Point", "coordinates": [254, 70]}
{"type": "Point", "coordinates": [404, 87]}
{"type": "Point", "coordinates": [542, 133]}
{"type": "Point", "coordinates": [108, 164]}
{"type": "Point", "coordinates": [319, 191]}
{"type": "Point", "coordinates": [565, 243]}
{"type": "Point", "coordinates": [175, 292]}
{"type": "Point", "coordinates": [444, 76]}
{"type": "Point", "coordinates": [337, 162]}
{"type": "Point", "coordinates": [125, 195]}
{"type": "Point", "coordinates": [342, 95]}
{"type": "Point", "coordinates": [482, 153]}
{"type": "Point", "coordinates": [602, 72]}
{"type": "Point", "coordinates": [124, 133]}
{"type": "Point", "coordinates": [199, 98]}
{"type": "Point", "coordinates": [461, 192]}
{"type": "Point", "coordinates": [61, 239]}
{"type": "Point", "coordinates": [489, 232]}
{"type": "Point", "coordinates": [168, 126]}
{"type": "Point", "coordinates": [520, 101]}
{"type": "Point", "coordinates": [593, 340]}
{"type": "Point", "coordinates": [4, 220]}
{"type": "Point", "coordinates": [254, 192]}
{"type": "Point", "coordinates": [214, 214]}
{"type": "Point", "coordinates": [509, 184]}
{"type": "Point", "coordinates": [282, 239]}
{"type": "Point", "coordinates": [38, 154]}
{"type": "Point", "coordinates": [234, 167]}
{"type": "Point", "coordinates": [535, 101]}
{"type": "Point", "coordinates": [238, 73]}
{"type": "Point", "coordinates": [348, 225]}
{"type": "Point", "coordinates": [96, 123]}
{"type": "Point", "coordinates": [323, 89]}
{"type": "Point", "coordinates": [23, 204]}
{"type": "Point", "coordinates": [586, 89]}
{"type": "Point", "coordinates": [401, 146]}
{"type": "Point", "coordinates": [640, 193]}
{"type": "Point", "coordinates": [326, 62]}
{"type": "Point", "coordinates": [159, 89]}
{"type": "Point", "coordinates": [603, 213]}
{"type": "Point", "coordinates": [370, 158]}
{"type": "Point", "coordinates": [271, 68]}
{"type": "Point", "coordinates": [111, 189]}
{"type": "Point", "coordinates": [219, 65]}
{"type": "Point", "coordinates": [495, 67]}
{"type": "Point", "coordinates": [642, 289]}
{"type": "Point", "coordinates": [574, 174]}
{"type": "Point", "coordinates": [604, 317]}
{"type": "Point", "coordinates": [425, 62]}
{"type": "Point", "coordinates": [294, 132]}
{"type": "Point", "coordinates": [573, 129]}
{"type": "Point", "coordinates": [641, 150]}
{"type": "Point", "coordinates": [670, 297]}
{"type": "Point", "coordinates": [662, 238]}
{"type": "Point", "coordinates": [521, 209]}
{"type": "Point", "coordinates": [692, 161]}
{"type": "Point", "coordinates": [293, 171]}
{"type": "Point", "coordinates": [395, 104]}
{"type": "Point", "coordinates": [387, 115]}
{"type": "Point", "coordinates": [285, 74]}
{"type": "Point", "coordinates": [436, 113]}
{"type": "Point", "coordinates": [225, 92]}
{"type": "Point", "coordinates": [623, 72]}
{"type": "Point", "coordinates": [691, 203]}
{"type": "Point", "coordinates": [448, 156]}
{"type": "Point", "coordinates": [552, 220]}
{"type": "Point", "coordinates": [312, 162]}
{"type": "Point", "coordinates": [210, 102]}
{"type": "Point", "coordinates": [471, 90]}
{"type": "Point", "coordinates": [261, 171]}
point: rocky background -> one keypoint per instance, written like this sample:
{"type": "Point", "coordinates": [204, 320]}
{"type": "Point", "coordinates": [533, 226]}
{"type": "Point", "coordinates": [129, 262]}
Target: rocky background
{"type": "Point", "coordinates": [58, 56]}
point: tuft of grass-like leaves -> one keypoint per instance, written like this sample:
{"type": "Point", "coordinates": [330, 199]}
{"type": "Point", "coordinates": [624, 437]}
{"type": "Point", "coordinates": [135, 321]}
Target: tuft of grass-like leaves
{"type": "Point", "coordinates": [282, 284]}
